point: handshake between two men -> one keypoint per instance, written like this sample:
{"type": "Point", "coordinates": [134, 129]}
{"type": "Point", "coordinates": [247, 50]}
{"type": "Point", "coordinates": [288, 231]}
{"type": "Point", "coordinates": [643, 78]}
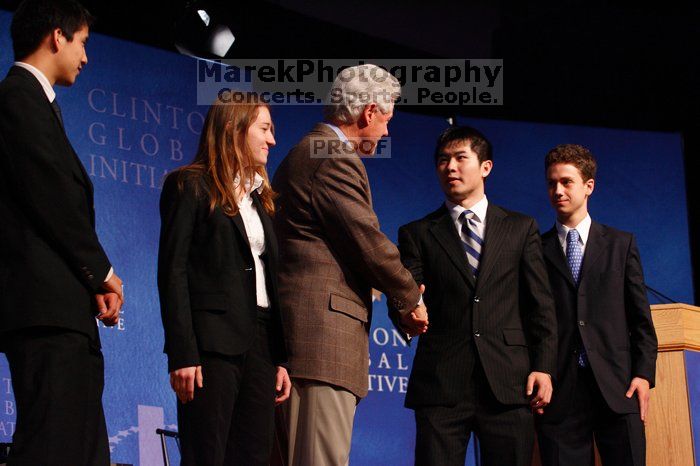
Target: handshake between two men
{"type": "Point", "coordinates": [416, 322]}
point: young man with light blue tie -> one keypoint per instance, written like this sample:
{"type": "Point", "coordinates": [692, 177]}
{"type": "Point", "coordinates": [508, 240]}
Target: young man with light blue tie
{"type": "Point", "coordinates": [607, 344]}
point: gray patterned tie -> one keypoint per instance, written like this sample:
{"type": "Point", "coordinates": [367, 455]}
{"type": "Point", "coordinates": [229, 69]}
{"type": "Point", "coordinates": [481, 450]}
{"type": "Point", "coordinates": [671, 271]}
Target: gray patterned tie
{"type": "Point", "coordinates": [471, 241]}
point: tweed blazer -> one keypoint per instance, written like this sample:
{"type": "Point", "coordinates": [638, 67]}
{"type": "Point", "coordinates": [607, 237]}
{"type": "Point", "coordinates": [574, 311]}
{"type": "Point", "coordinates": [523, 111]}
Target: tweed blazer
{"type": "Point", "coordinates": [332, 254]}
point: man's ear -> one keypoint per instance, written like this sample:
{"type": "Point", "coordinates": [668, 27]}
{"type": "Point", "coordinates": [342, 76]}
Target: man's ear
{"type": "Point", "coordinates": [368, 114]}
{"type": "Point", "coordinates": [590, 185]}
{"type": "Point", "coordinates": [57, 39]}
{"type": "Point", "coordinates": [486, 167]}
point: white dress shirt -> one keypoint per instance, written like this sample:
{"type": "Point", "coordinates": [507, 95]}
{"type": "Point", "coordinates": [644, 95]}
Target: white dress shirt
{"type": "Point", "coordinates": [583, 228]}
{"type": "Point", "coordinates": [43, 80]}
{"type": "Point", "coordinates": [256, 237]}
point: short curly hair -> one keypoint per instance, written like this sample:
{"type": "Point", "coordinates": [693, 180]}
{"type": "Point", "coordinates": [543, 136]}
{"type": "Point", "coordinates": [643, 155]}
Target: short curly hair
{"type": "Point", "coordinates": [573, 154]}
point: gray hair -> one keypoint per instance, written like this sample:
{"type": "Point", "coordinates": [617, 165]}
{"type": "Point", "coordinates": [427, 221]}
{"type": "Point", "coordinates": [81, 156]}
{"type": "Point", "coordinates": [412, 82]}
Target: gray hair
{"type": "Point", "coordinates": [358, 86]}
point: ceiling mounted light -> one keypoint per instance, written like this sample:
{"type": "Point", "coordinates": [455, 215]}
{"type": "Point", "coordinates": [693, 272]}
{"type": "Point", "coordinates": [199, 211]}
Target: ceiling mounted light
{"type": "Point", "coordinates": [198, 33]}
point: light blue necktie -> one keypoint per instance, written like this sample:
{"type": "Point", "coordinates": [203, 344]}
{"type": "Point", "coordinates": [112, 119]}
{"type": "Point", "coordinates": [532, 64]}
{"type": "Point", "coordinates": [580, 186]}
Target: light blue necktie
{"type": "Point", "coordinates": [574, 257]}
{"type": "Point", "coordinates": [471, 241]}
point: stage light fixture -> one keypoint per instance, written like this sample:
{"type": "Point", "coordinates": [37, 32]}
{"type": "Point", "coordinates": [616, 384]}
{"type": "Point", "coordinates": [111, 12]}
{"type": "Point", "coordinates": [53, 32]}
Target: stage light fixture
{"type": "Point", "coordinates": [198, 32]}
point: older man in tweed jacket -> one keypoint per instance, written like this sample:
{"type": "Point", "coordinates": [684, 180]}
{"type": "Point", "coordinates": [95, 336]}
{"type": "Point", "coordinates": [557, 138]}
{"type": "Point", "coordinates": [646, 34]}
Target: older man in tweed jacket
{"type": "Point", "coordinates": [332, 255]}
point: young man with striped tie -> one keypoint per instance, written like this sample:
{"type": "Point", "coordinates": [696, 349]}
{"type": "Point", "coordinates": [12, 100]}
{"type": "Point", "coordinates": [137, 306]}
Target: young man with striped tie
{"type": "Point", "coordinates": [607, 343]}
{"type": "Point", "coordinates": [488, 355]}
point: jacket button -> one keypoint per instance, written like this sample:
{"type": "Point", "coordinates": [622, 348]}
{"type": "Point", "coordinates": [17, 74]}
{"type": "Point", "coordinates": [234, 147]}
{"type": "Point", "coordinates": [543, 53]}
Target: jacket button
{"type": "Point", "coordinates": [90, 277]}
{"type": "Point", "coordinates": [477, 333]}
{"type": "Point", "coordinates": [476, 299]}
{"type": "Point", "coordinates": [581, 323]}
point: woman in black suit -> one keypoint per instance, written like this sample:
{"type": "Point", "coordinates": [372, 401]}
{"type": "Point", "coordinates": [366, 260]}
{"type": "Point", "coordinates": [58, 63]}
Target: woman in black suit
{"type": "Point", "coordinates": [217, 269]}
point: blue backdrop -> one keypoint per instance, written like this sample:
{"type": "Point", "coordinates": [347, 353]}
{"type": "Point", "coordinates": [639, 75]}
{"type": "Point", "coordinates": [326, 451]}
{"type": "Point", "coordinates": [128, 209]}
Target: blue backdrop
{"type": "Point", "coordinates": [132, 116]}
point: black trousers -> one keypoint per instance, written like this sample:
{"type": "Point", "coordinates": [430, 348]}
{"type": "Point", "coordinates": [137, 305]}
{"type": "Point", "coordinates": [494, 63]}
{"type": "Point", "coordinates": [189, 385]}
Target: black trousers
{"type": "Point", "coordinates": [57, 379]}
{"type": "Point", "coordinates": [231, 419]}
{"type": "Point", "coordinates": [620, 437]}
{"type": "Point", "coordinates": [505, 432]}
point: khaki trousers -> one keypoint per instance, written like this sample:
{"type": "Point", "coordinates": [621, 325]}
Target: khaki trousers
{"type": "Point", "coordinates": [319, 419]}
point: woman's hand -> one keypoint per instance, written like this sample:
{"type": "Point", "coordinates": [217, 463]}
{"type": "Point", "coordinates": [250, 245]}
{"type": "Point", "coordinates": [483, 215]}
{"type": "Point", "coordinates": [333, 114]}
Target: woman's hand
{"type": "Point", "coordinates": [283, 385]}
{"type": "Point", "coordinates": [183, 380]}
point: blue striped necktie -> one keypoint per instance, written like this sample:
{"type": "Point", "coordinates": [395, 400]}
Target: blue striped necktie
{"type": "Point", "coordinates": [574, 257]}
{"type": "Point", "coordinates": [471, 241]}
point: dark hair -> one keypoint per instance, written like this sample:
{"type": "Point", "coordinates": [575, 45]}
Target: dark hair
{"type": "Point", "coordinates": [479, 144]}
{"type": "Point", "coordinates": [573, 154]}
{"type": "Point", "coordinates": [34, 19]}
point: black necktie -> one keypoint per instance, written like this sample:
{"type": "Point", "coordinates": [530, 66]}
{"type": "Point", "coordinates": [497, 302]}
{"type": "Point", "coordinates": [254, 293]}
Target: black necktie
{"type": "Point", "coordinates": [57, 109]}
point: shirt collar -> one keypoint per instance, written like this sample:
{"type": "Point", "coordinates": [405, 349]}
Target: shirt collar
{"type": "Point", "coordinates": [479, 209]}
{"type": "Point", "coordinates": [583, 228]}
{"type": "Point", "coordinates": [339, 132]}
{"type": "Point", "coordinates": [41, 77]}
{"type": "Point", "coordinates": [257, 184]}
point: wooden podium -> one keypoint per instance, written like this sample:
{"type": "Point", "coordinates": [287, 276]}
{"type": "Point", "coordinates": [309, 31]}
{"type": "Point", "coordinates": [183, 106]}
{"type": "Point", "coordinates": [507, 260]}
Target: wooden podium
{"type": "Point", "coordinates": [668, 427]}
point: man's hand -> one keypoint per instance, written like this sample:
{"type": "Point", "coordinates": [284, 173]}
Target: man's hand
{"type": "Point", "coordinates": [641, 386]}
{"type": "Point", "coordinates": [543, 396]}
{"type": "Point", "coordinates": [416, 323]}
{"type": "Point", "coordinates": [183, 380]}
{"type": "Point", "coordinates": [108, 307]}
{"type": "Point", "coordinates": [283, 385]}
{"type": "Point", "coordinates": [114, 285]}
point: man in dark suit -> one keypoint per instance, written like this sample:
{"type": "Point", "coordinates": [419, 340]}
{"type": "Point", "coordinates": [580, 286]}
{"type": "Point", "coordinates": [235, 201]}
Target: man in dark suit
{"type": "Point", "coordinates": [54, 275]}
{"type": "Point", "coordinates": [490, 350]}
{"type": "Point", "coordinates": [607, 342]}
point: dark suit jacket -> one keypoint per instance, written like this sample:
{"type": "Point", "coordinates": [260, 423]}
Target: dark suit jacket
{"type": "Point", "coordinates": [51, 262]}
{"type": "Point", "coordinates": [505, 318]}
{"type": "Point", "coordinates": [608, 313]}
{"type": "Point", "coordinates": [206, 277]}
{"type": "Point", "coordinates": [333, 254]}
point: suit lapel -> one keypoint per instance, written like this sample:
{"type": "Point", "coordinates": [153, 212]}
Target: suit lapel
{"type": "Point", "coordinates": [494, 238]}
{"type": "Point", "coordinates": [82, 175]}
{"type": "Point", "coordinates": [446, 235]}
{"type": "Point", "coordinates": [270, 239]}
{"type": "Point", "coordinates": [551, 248]}
{"type": "Point", "coordinates": [238, 221]}
{"type": "Point", "coordinates": [595, 246]}
{"type": "Point", "coordinates": [85, 177]}
{"type": "Point", "coordinates": [59, 117]}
